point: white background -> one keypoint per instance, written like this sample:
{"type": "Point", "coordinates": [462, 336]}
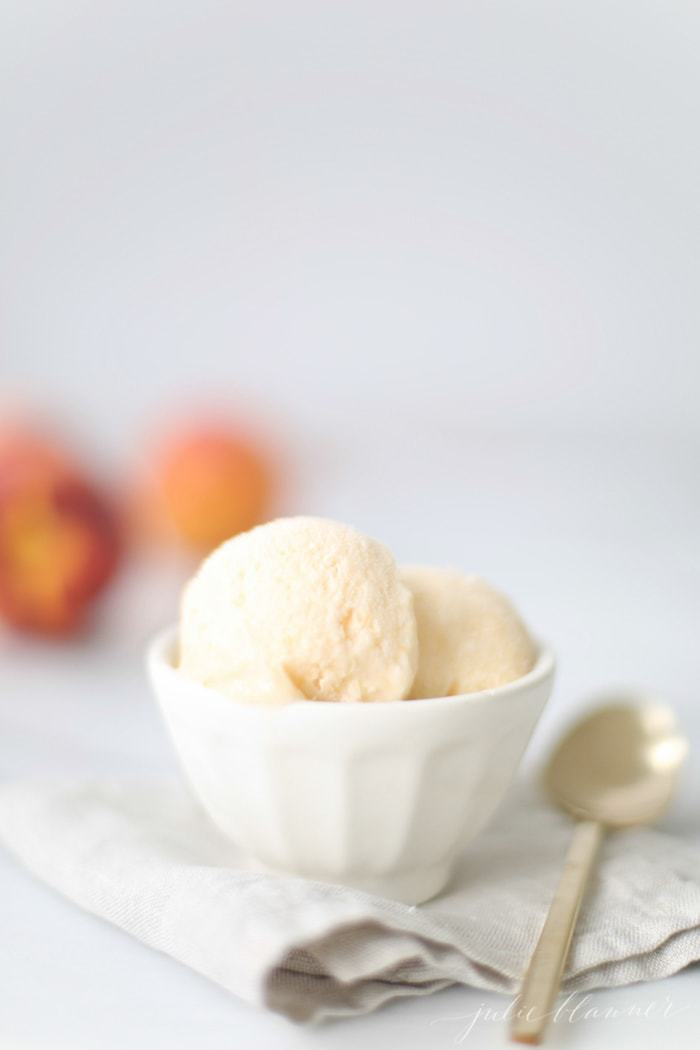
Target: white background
{"type": "Point", "coordinates": [485, 210]}
{"type": "Point", "coordinates": [450, 252]}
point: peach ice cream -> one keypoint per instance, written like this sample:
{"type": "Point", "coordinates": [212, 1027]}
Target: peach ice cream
{"type": "Point", "coordinates": [309, 609]}
{"type": "Point", "coordinates": [469, 635]}
{"type": "Point", "coordinates": [300, 608]}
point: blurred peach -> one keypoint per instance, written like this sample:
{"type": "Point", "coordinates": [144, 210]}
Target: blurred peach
{"type": "Point", "coordinates": [207, 482]}
{"type": "Point", "coordinates": [59, 540]}
{"type": "Point", "coordinates": [26, 452]}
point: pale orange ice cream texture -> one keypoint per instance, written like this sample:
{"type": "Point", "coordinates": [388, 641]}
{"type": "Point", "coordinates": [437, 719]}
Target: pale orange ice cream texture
{"type": "Point", "coordinates": [300, 608]}
{"type": "Point", "coordinates": [470, 637]}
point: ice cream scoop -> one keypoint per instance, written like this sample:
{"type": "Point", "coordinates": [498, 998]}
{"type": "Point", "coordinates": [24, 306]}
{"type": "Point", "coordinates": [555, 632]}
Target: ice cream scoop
{"type": "Point", "coordinates": [300, 608]}
{"type": "Point", "coordinates": [470, 637]}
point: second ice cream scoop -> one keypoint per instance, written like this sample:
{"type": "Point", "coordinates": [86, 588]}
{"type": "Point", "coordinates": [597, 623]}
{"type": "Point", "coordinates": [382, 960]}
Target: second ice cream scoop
{"type": "Point", "coordinates": [470, 637]}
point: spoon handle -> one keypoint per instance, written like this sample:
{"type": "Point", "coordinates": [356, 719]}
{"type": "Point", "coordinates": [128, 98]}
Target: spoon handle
{"type": "Point", "coordinates": [543, 975]}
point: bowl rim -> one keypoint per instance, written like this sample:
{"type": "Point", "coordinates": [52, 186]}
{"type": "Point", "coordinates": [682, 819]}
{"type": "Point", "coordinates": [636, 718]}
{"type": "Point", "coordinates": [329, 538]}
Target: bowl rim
{"type": "Point", "coordinates": [159, 660]}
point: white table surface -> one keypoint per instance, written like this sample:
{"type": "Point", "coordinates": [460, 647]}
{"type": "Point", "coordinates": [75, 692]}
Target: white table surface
{"type": "Point", "coordinates": [600, 543]}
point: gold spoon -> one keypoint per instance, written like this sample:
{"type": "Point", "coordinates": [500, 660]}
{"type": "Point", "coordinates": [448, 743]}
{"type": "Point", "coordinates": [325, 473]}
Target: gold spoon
{"type": "Point", "coordinates": [616, 767]}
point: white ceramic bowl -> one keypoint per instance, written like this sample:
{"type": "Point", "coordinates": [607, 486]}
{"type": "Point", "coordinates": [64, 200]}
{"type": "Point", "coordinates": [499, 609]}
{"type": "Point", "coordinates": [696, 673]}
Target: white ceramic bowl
{"type": "Point", "coordinates": [382, 796]}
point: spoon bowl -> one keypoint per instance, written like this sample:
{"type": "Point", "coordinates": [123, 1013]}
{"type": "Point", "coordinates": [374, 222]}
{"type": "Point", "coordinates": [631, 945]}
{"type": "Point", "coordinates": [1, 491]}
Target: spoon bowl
{"type": "Point", "coordinates": [618, 765]}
